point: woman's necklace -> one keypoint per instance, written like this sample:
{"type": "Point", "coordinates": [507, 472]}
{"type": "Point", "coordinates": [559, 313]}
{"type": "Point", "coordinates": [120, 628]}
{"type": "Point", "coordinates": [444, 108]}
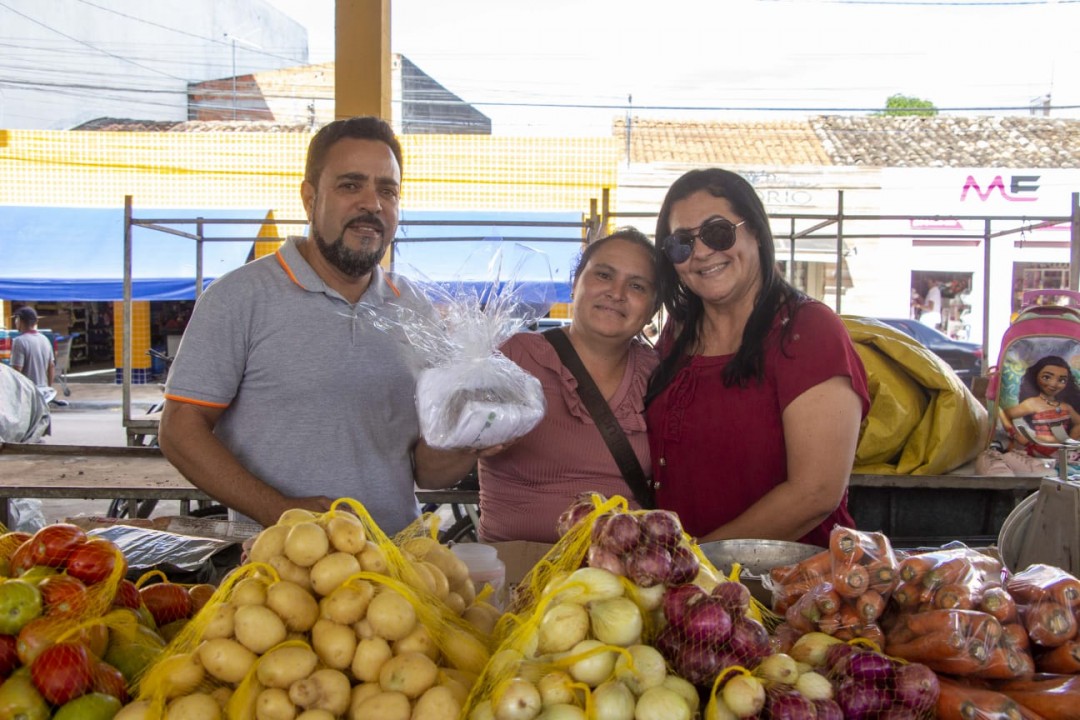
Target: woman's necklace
{"type": "Point", "coordinates": [1050, 401]}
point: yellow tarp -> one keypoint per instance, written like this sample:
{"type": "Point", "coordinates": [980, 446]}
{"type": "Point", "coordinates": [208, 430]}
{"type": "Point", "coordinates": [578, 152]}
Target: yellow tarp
{"type": "Point", "coordinates": [923, 420]}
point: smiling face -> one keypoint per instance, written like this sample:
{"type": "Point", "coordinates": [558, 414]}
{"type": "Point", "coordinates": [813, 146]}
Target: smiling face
{"type": "Point", "coordinates": [722, 278]}
{"type": "Point", "coordinates": [615, 293]}
{"type": "Point", "coordinates": [354, 209]}
{"type": "Point", "coordinates": [1052, 379]}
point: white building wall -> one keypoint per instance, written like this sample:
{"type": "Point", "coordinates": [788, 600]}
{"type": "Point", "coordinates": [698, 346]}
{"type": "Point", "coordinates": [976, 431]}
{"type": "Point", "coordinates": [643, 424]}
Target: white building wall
{"type": "Point", "coordinates": [67, 62]}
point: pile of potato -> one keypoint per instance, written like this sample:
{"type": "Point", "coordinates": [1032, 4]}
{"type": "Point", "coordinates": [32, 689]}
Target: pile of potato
{"type": "Point", "coordinates": [323, 622]}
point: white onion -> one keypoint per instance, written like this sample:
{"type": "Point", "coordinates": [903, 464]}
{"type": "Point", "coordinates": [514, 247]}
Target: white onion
{"type": "Point", "coordinates": [613, 701]}
{"type": "Point", "coordinates": [684, 688]}
{"type": "Point", "coordinates": [563, 626]}
{"type": "Point", "coordinates": [744, 695]}
{"type": "Point", "coordinates": [587, 584]}
{"type": "Point", "coordinates": [562, 711]}
{"type": "Point", "coordinates": [594, 669]}
{"type": "Point", "coordinates": [616, 621]}
{"type": "Point", "coordinates": [814, 686]}
{"type": "Point", "coordinates": [648, 671]}
{"type": "Point", "coordinates": [518, 699]}
{"type": "Point", "coordinates": [649, 598]}
{"type": "Point", "coordinates": [659, 703]}
{"type": "Point", "coordinates": [555, 688]}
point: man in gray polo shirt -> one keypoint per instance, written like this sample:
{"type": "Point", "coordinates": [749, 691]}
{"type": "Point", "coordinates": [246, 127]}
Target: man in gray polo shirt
{"type": "Point", "coordinates": [283, 393]}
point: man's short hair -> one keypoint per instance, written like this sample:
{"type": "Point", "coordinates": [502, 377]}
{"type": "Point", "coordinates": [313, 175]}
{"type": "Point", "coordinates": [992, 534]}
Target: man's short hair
{"type": "Point", "coordinates": [366, 127]}
{"type": "Point", "coordinates": [27, 315]}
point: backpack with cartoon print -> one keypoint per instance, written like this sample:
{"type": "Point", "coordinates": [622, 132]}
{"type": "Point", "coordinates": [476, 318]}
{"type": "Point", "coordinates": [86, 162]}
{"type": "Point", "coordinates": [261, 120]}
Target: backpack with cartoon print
{"type": "Point", "coordinates": [1033, 394]}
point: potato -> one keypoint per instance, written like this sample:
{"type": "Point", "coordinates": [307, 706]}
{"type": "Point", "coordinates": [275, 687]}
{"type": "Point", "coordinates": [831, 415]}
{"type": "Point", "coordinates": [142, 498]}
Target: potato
{"type": "Point", "coordinates": [372, 559]}
{"type": "Point", "coordinates": [316, 715]}
{"type": "Point", "coordinates": [292, 516]}
{"type": "Point", "coordinates": [467, 591]}
{"type": "Point", "coordinates": [181, 674]}
{"type": "Point", "coordinates": [249, 591]}
{"type": "Point", "coordinates": [427, 580]}
{"type": "Point", "coordinates": [440, 585]}
{"type": "Point", "coordinates": [457, 690]}
{"type": "Point", "coordinates": [258, 628]}
{"type": "Point", "coordinates": [482, 711]}
{"type": "Point", "coordinates": [362, 692]}
{"type": "Point", "coordinates": [222, 696]}
{"type": "Point", "coordinates": [220, 623]}
{"type": "Point", "coordinates": [369, 658]}
{"type": "Point", "coordinates": [274, 704]}
{"type": "Point", "coordinates": [466, 678]}
{"type": "Point", "coordinates": [281, 667]}
{"type": "Point", "coordinates": [453, 567]}
{"type": "Point", "coordinates": [136, 710]}
{"type": "Point", "coordinates": [348, 603]}
{"type": "Point", "coordinates": [363, 629]}
{"type": "Point", "coordinates": [481, 618]}
{"type": "Point", "coordinates": [325, 689]}
{"type": "Point", "coordinates": [293, 604]}
{"type": "Point", "coordinates": [288, 570]}
{"type": "Point", "coordinates": [225, 659]}
{"type": "Point", "coordinates": [306, 544]}
{"type": "Point", "coordinates": [420, 546]}
{"type": "Point", "coordinates": [438, 703]}
{"type": "Point", "coordinates": [391, 616]}
{"type": "Point", "coordinates": [455, 602]}
{"type": "Point", "coordinates": [331, 571]}
{"type": "Point", "coordinates": [410, 673]}
{"type": "Point", "coordinates": [419, 640]}
{"type": "Point", "coordinates": [334, 644]}
{"type": "Point", "coordinates": [197, 706]}
{"type": "Point", "coordinates": [346, 533]}
{"type": "Point", "coordinates": [385, 706]}
{"type": "Point", "coordinates": [268, 543]}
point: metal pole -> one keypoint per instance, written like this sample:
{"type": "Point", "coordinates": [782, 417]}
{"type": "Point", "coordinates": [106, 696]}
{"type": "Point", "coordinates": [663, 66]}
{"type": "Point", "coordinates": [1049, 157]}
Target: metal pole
{"type": "Point", "coordinates": [986, 297]}
{"type": "Point", "coordinates": [1074, 245]}
{"type": "Point", "coordinates": [233, 78]}
{"type": "Point", "coordinates": [839, 248]}
{"type": "Point", "coordinates": [125, 352]}
{"type": "Point", "coordinates": [199, 258]}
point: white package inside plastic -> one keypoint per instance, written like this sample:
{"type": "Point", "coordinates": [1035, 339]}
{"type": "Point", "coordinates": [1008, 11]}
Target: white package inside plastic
{"type": "Point", "coordinates": [477, 404]}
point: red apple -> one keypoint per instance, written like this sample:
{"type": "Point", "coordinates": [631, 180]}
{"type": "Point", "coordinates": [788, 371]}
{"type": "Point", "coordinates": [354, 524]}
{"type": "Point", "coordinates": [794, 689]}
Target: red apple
{"type": "Point", "coordinates": [9, 659]}
{"type": "Point", "coordinates": [62, 672]}
{"type": "Point", "coordinates": [63, 595]}
{"type": "Point", "coordinates": [93, 561]}
{"type": "Point", "coordinates": [52, 544]}
{"type": "Point", "coordinates": [166, 602]}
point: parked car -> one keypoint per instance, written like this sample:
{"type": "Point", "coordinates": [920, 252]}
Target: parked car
{"type": "Point", "coordinates": [7, 335]}
{"type": "Point", "coordinates": [966, 358]}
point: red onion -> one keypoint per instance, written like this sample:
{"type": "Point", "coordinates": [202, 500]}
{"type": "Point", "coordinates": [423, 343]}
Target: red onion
{"type": "Point", "coordinates": [684, 565]}
{"type": "Point", "coordinates": [836, 658]}
{"type": "Point", "coordinates": [707, 622]}
{"type": "Point", "coordinates": [574, 514]}
{"type": "Point", "coordinates": [648, 565]}
{"type": "Point", "coordinates": [598, 557]}
{"type": "Point", "coordinates": [828, 710]}
{"type": "Point", "coordinates": [917, 687]}
{"type": "Point", "coordinates": [871, 667]}
{"type": "Point", "coordinates": [668, 641]}
{"type": "Point", "coordinates": [789, 706]}
{"type": "Point", "coordinates": [899, 712]}
{"type": "Point", "coordinates": [861, 700]}
{"type": "Point", "coordinates": [749, 641]}
{"type": "Point", "coordinates": [661, 527]}
{"type": "Point", "coordinates": [700, 663]}
{"type": "Point", "coordinates": [618, 532]}
{"type": "Point", "coordinates": [677, 601]}
{"type": "Point", "coordinates": [735, 597]}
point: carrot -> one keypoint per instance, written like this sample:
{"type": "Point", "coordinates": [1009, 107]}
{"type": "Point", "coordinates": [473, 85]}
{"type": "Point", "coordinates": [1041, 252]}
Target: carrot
{"type": "Point", "coordinates": [997, 602]}
{"type": "Point", "coordinates": [849, 616]}
{"type": "Point", "coordinates": [826, 598]}
{"type": "Point", "coordinates": [936, 621]}
{"type": "Point", "coordinates": [950, 572]}
{"type": "Point", "coordinates": [797, 619]}
{"type": "Point", "coordinates": [1003, 663]}
{"type": "Point", "coordinates": [1049, 624]}
{"type": "Point", "coordinates": [982, 628]}
{"type": "Point", "coordinates": [882, 575]}
{"type": "Point", "coordinates": [956, 596]}
{"type": "Point", "coordinates": [906, 595]}
{"type": "Point", "coordinates": [814, 567]}
{"type": "Point", "coordinates": [1062, 659]}
{"type": "Point", "coordinates": [845, 545]}
{"type": "Point", "coordinates": [914, 567]}
{"type": "Point", "coordinates": [928, 648]}
{"type": "Point", "coordinates": [1054, 697]}
{"type": "Point", "coordinates": [1066, 591]}
{"type": "Point", "coordinates": [870, 605]}
{"type": "Point", "coordinates": [829, 624]}
{"type": "Point", "coordinates": [851, 581]}
{"type": "Point", "coordinates": [871, 631]}
{"type": "Point", "coordinates": [1015, 636]}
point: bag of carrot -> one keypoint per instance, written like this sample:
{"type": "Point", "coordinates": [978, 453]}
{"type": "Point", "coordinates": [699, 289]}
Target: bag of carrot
{"type": "Point", "coordinates": [841, 591]}
{"type": "Point", "coordinates": [1048, 604]}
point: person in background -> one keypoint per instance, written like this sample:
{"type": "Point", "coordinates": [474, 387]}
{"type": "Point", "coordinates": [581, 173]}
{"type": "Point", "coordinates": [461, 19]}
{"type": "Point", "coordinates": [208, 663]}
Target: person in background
{"type": "Point", "coordinates": [932, 306]}
{"type": "Point", "coordinates": [31, 352]}
{"type": "Point", "coordinates": [284, 394]}
{"type": "Point", "coordinates": [755, 409]}
{"type": "Point", "coordinates": [525, 487]}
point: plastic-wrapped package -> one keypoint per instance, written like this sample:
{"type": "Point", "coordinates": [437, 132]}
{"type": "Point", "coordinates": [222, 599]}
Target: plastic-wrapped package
{"type": "Point", "coordinates": [469, 395]}
{"type": "Point", "coordinates": [1048, 604]}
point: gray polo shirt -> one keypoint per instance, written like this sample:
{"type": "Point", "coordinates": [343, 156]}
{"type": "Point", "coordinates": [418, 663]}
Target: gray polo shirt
{"type": "Point", "coordinates": [318, 400]}
{"type": "Point", "coordinates": [32, 353]}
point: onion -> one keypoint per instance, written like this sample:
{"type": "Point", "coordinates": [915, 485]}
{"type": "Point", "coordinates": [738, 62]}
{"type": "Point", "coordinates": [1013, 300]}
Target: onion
{"type": "Point", "coordinates": [917, 687]}
{"type": "Point", "coordinates": [659, 703]}
{"type": "Point", "coordinates": [828, 710]}
{"type": "Point", "coordinates": [860, 700]}
{"type": "Point", "coordinates": [684, 565]}
{"type": "Point", "coordinates": [749, 641]}
{"type": "Point", "coordinates": [518, 700]}
{"type": "Point", "coordinates": [648, 564]}
{"type": "Point", "coordinates": [661, 527]}
{"type": "Point", "coordinates": [668, 641]}
{"type": "Point", "coordinates": [648, 598]}
{"type": "Point", "coordinates": [706, 621]}
{"type": "Point", "coordinates": [871, 667]}
{"type": "Point", "coordinates": [556, 688]}
{"type": "Point", "coordinates": [563, 626]}
{"type": "Point", "coordinates": [618, 532]}
{"type": "Point", "coordinates": [734, 595]}
{"type": "Point", "coordinates": [744, 695]}
{"type": "Point", "coordinates": [837, 655]}
{"type": "Point", "coordinates": [685, 689]}
{"type": "Point", "coordinates": [778, 669]}
{"type": "Point", "coordinates": [613, 701]}
{"type": "Point", "coordinates": [790, 706]}
{"type": "Point", "coordinates": [644, 669]}
{"type": "Point", "coordinates": [813, 649]}
{"type": "Point", "coordinates": [616, 621]}
{"type": "Point", "coordinates": [574, 514]}
{"type": "Point", "coordinates": [599, 557]}
{"type": "Point", "coordinates": [587, 584]}
{"type": "Point", "coordinates": [594, 669]}
{"type": "Point", "coordinates": [814, 686]}
{"type": "Point", "coordinates": [677, 600]}
{"type": "Point", "coordinates": [700, 663]}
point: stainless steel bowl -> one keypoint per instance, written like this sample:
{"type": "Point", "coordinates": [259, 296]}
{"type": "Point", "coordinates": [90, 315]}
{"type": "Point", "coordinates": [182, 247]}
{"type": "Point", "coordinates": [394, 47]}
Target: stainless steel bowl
{"type": "Point", "coordinates": [757, 558]}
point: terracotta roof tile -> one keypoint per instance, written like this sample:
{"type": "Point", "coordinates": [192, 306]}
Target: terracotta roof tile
{"type": "Point", "coordinates": [126, 125]}
{"type": "Point", "coordinates": [723, 143]}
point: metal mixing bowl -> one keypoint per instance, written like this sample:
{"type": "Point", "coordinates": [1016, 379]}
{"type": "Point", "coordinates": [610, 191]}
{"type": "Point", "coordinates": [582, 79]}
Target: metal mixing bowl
{"type": "Point", "coordinates": [757, 558]}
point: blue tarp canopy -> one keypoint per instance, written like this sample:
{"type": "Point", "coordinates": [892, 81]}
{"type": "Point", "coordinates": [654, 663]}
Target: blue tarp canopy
{"type": "Point", "coordinates": [77, 254]}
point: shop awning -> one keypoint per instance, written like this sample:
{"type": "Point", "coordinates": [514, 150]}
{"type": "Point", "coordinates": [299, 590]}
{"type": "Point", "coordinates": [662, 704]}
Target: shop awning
{"type": "Point", "coordinates": [77, 254]}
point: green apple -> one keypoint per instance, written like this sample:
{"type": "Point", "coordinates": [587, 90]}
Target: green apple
{"type": "Point", "coordinates": [131, 652]}
{"type": "Point", "coordinates": [20, 699]}
{"type": "Point", "coordinates": [20, 602]}
{"type": "Point", "coordinates": [92, 706]}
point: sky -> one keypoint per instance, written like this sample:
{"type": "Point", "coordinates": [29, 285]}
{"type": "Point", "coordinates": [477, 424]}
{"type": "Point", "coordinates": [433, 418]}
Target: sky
{"type": "Point", "coordinates": [574, 65]}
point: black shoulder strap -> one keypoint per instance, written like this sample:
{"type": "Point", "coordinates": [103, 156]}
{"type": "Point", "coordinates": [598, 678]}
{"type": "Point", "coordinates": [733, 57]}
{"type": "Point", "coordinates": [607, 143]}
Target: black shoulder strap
{"type": "Point", "coordinates": [605, 420]}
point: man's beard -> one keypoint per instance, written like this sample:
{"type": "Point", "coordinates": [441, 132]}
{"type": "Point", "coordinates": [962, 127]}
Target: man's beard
{"type": "Point", "coordinates": [354, 264]}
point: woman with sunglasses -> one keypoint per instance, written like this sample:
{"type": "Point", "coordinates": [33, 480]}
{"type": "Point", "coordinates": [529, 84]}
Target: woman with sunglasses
{"type": "Point", "coordinates": [526, 487]}
{"type": "Point", "coordinates": [754, 411]}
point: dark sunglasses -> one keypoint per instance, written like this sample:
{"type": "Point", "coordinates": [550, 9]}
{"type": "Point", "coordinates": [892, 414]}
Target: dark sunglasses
{"type": "Point", "coordinates": [717, 233]}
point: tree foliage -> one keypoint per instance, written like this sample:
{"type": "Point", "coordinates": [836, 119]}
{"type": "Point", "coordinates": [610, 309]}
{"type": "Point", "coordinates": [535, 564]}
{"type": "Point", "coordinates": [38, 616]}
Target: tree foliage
{"type": "Point", "coordinates": [900, 104]}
